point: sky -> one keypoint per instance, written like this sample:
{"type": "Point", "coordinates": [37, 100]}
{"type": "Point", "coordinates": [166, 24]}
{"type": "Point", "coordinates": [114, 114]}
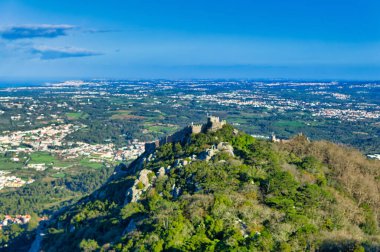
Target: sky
{"type": "Point", "coordinates": [144, 39]}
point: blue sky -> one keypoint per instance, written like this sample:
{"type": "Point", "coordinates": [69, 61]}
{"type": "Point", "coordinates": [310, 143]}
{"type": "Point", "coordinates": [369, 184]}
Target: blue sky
{"type": "Point", "coordinates": [313, 39]}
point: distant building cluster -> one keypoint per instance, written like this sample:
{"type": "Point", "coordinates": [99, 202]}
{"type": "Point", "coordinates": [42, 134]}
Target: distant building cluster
{"type": "Point", "coordinates": [18, 219]}
{"type": "Point", "coordinates": [318, 107]}
{"type": "Point", "coordinates": [38, 139]}
{"type": "Point", "coordinates": [12, 181]}
{"type": "Point", "coordinates": [338, 96]}
{"type": "Point", "coordinates": [348, 114]}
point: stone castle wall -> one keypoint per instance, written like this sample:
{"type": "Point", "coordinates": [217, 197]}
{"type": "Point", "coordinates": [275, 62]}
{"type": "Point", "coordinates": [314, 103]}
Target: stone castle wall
{"type": "Point", "coordinates": [196, 128]}
{"type": "Point", "coordinates": [213, 124]}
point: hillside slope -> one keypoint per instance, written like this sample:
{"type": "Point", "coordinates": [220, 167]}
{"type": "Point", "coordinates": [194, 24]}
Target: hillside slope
{"type": "Point", "coordinates": [226, 191]}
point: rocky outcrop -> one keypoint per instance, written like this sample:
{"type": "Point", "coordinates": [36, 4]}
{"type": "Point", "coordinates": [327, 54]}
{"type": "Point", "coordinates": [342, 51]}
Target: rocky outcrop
{"type": "Point", "coordinates": [143, 183]}
{"type": "Point", "coordinates": [161, 172]}
{"type": "Point", "coordinates": [226, 147]}
{"type": "Point", "coordinates": [182, 162]}
{"type": "Point", "coordinates": [221, 147]}
{"type": "Point", "coordinates": [208, 154]}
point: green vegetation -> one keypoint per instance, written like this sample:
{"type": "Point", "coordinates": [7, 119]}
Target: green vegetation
{"type": "Point", "coordinates": [76, 115]}
{"type": "Point", "coordinates": [296, 196]}
{"type": "Point", "coordinates": [289, 124]}
{"type": "Point", "coordinates": [42, 157]}
{"type": "Point", "coordinates": [18, 235]}
{"type": "Point", "coordinates": [59, 175]}
{"type": "Point", "coordinates": [46, 196]}
{"type": "Point", "coordinates": [108, 131]}
{"type": "Point", "coordinates": [93, 165]}
{"type": "Point", "coordinates": [161, 129]}
{"type": "Point", "coordinates": [7, 164]}
{"type": "Point", "coordinates": [125, 115]}
{"type": "Point", "coordinates": [88, 245]}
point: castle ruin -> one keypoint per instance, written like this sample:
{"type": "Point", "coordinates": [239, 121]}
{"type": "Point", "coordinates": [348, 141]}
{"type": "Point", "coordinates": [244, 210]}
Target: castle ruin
{"type": "Point", "coordinates": [213, 124]}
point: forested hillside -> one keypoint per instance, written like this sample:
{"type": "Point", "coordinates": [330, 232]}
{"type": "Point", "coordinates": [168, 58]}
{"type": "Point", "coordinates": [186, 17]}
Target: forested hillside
{"type": "Point", "coordinates": [227, 191]}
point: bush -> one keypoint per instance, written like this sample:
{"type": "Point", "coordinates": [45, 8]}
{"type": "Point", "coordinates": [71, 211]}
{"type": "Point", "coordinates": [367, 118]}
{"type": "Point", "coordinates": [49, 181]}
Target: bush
{"type": "Point", "coordinates": [370, 224]}
{"type": "Point", "coordinates": [131, 209]}
{"type": "Point", "coordinates": [88, 245]}
{"type": "Point", "coordinates": [140, 185]}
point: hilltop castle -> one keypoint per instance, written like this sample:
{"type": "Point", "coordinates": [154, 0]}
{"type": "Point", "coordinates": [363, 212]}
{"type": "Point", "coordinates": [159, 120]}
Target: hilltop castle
{"type": "Point", "coordinates": [213, 124]}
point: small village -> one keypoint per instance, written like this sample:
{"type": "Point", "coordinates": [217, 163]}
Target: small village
{"type": "Point", "coordinates": [22, 146]}
{"type": "Point", "coordinates": [12, 181]}
{"type": "Point", "coordinates": [18, 219]}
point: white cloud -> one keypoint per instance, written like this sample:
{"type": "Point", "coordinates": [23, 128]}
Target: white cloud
{"type": "Point", "coordinates": [34, 31]}
{"type": "Point", "coordinates": [50, 53]}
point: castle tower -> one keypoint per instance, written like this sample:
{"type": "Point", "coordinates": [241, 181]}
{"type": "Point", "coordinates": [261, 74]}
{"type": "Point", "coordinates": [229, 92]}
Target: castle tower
{"type": "Point", "coordinates": [196, 128]}
{"type": "Point", "coordinates": [214, 123]}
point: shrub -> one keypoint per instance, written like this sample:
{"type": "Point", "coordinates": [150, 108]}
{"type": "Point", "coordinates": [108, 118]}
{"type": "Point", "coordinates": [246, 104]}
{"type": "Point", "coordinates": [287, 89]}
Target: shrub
{"type": "Point", "coordinates": [140, 185]}
{"type": "Point", "coordinates": [88, 245]}
{"type": "Point", "coordinates": [131, 209]}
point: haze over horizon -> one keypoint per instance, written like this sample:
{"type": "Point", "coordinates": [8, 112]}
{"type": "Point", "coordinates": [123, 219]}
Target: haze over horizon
{"type": "Point", "coordinates": [49, 40]}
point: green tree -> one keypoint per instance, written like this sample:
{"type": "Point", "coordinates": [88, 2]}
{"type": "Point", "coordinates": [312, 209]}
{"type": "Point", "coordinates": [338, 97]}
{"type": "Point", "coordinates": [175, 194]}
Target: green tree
{"type": "Point", "coordinates": [33, 223]}
{"type": "Point", "coordinates": [88, 245]}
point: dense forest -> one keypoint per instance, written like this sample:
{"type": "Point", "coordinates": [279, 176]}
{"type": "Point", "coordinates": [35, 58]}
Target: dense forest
{"type": "Point", "coordinates": [227, 191]}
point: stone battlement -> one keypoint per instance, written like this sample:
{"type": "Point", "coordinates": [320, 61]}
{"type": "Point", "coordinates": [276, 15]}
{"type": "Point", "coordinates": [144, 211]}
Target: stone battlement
{"type": "Point", "coordinates": [196, 128]}
{"type": "Point", "coordinates": [213, 124]}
